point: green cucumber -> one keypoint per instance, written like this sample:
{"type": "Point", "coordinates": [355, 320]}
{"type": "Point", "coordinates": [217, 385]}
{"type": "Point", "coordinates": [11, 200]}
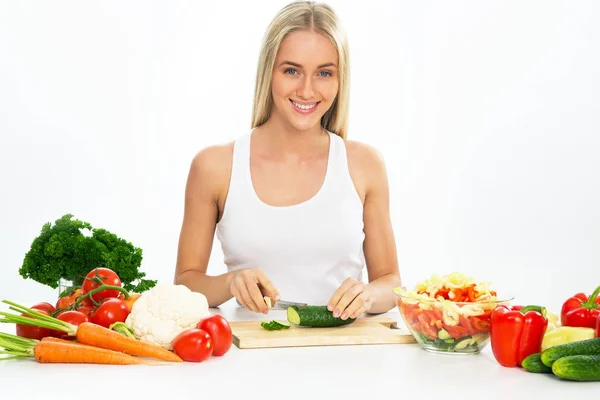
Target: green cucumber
{"type": "Point", "coordinates": [463, 343]}
{"type": "Point", "coordinates": [443, 334]}
{"type": "Point", "coordinates": [533, 363]}
{"type": "Point", "coordinates": [315, 316]}
{"type": "Point", "coordinates": [446, 344]}
{"type": "Point", "coordinates": [275, 325]}
{"type": "Point", "coordinates": [424, 339]}
{"type": "Point", "coordinates": [578, 368]}
{"type": "Point", "coordinates": [587, 347]}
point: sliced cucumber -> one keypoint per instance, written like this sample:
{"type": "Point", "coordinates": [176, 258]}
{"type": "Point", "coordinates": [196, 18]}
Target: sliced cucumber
{"type": "Point", "coordinates": [447, 344]}
{"type": "Point", "coordinates": [463, 343]}
{"type": "Point", "coordinates": [275, 325]}
{"type": "Point", "coordinates": [444, 335]}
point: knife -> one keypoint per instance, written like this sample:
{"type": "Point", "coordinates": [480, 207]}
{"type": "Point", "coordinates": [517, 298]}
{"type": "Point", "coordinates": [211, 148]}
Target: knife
{"type": "Point", "coordinates": [283, 304]}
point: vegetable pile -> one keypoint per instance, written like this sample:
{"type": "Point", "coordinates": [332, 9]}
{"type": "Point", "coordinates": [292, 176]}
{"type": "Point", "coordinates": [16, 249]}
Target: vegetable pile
{"type": "Point", "coordinates": [455, 313]}
{"type": "Point", "coordinates": [64, 252]}
{"type": "Point", "coordinates": [524, 337]}
{"type": "Point", "coordinates": [103, 323]}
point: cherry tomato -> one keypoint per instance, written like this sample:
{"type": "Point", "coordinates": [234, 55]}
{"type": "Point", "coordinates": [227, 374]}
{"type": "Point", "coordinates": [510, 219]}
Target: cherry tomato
{"type": "Point", "coordinates": [67, 301]}
{"type": "Point", "coordinates": [44, 306]}
{"type": "Point", "coordinates": [220, 332]}
{"type": "Point", "coordinates": [33, 332]}
{"type": "Point", "coordinates": [85, 306]}
{"type": "Point", "coordinates": [110, 311]}
{"type": "Point", "coordinates": [108, 277]}
{"type": "Point", "coordinates": [193, 345]}
{"type": "Point", "coordinates": [72, 317]}
{"type": "Point", "coordinates": [131, 300]}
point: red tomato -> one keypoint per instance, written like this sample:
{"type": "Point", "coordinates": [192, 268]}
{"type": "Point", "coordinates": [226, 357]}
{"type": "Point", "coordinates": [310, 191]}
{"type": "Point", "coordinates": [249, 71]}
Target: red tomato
{"type": "Point", "coordinates": [481, 324]}
{"type": "Point", "coordinates": [110, 311]}
{"type": "Point", "coordinates": [85, 306]}
{"type": "Point", "coordinates": [44, 307]}
{"type": "Point", "coordinates": [456, 332]}
{"type": "Point", "coordinates": [108, 277]}
{"type": "Point", "coordinates": [193, 345]}
{"type": "Point", "coordinates": [72, 317]}
{"type": "Point", "coordinates": [33, 332]}
{"type": "Point", "coordinates": [220, 332]}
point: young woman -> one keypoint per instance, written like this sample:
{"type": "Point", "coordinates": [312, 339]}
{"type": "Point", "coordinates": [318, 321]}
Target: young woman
{"type": "Point", "coordinates": [299, 209]}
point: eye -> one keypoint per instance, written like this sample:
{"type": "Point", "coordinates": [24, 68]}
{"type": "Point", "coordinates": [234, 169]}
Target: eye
{"type": "Point", "coordinates": [324, 74]}
{"type": "Point", "coordinates": [290, 71]}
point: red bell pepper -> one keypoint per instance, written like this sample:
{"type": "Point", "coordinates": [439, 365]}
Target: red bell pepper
{"type": "Point", "coordinates": [581, 310]}
{"type": "Point", "coordinates": [517, 332]}
{"type": "Point", "coordinates": [598, 327]}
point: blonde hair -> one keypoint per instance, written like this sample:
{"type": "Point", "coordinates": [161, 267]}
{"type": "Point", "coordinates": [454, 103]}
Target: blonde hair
{"type": "Point", "coordinates": [303, 15]}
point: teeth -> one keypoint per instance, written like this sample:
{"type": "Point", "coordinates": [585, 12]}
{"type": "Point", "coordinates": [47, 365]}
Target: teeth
{"type": "Point", "coordinates": [303, 107]}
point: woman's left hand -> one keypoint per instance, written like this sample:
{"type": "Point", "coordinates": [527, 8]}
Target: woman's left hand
{"type": "Point", "coordinates": [351, 299]}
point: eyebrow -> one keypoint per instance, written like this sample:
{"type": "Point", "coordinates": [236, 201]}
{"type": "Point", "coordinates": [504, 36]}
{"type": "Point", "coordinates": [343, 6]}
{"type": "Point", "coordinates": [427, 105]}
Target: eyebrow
{"type": "Point", "coordinates": [300, 66]}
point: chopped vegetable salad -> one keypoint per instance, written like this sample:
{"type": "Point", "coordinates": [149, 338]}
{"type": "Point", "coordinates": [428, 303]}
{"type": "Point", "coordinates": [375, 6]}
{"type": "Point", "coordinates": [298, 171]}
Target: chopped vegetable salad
{"type": "Point", "coordinates": [449, 312]}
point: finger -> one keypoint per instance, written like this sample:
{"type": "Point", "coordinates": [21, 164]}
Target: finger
{"type": "Point", "coordinates": [361, 304]}
{"type": "Point", "coordinates": [238, 297]}
{"type": "Point", "coordinates": [247, 298]}
{"type": "Point", "coordinates": [268, 301]}
{"type": "Point", "coordinates": [337, 295]}
{"type": "Point", "coordinates": [267, 287]}
{"type": "Point", "coordinates": [256, 297]}
{"type": "Point", "coordinates": [346, 300]}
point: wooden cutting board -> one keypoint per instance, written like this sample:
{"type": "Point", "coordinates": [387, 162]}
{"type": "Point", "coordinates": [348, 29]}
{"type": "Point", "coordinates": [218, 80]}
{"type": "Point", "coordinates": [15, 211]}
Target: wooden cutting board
{"type": "Point", "coordinates": [250, 335]}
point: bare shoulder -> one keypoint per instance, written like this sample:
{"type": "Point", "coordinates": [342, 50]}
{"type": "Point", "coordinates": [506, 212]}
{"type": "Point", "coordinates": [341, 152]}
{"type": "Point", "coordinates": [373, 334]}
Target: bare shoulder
{"type": "Point", "coordinates": [211, 168]}
{"type": "Point", "coordinates": [214, 157]}
{"type": "Point", "coordinates": [366, 165]}
{"type": "Point", "coordinates": [362, 153]}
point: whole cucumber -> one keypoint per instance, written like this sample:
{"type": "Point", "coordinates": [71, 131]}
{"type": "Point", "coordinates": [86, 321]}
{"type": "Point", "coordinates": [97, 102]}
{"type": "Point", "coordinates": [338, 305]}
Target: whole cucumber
{"type": "Point", "coordinates": [533, 363]}
{"type": "Point", "coordinates": [585, 347]}
{"type": "Point", "coordinates": [578, 368]}
{"type": "Point", "coordinates": [314, 316]}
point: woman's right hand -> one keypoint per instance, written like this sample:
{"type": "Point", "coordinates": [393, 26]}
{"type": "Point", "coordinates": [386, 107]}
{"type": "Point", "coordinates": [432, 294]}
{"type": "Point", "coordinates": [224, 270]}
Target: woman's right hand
{"type": "Point", "coordinates": [250, 286]}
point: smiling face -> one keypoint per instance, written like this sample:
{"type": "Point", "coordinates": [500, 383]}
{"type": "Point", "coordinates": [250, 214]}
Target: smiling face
{"type": "Point", "coordinates": [305, 80]}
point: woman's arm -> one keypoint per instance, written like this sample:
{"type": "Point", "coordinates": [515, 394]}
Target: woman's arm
{"type": "Point", "coordinates": [380, 245]}
{"type": "Point", "coordinates": [354, 297]}
{"type": "Point", "coordinates": [208, 179]}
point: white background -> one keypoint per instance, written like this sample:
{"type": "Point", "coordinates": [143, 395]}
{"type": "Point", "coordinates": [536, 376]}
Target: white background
{"type": "Point", "coordinates": [487, 114]}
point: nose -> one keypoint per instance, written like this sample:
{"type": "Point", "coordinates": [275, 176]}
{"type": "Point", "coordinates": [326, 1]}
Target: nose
{"type": "Point", "coordinates": [306, 90]}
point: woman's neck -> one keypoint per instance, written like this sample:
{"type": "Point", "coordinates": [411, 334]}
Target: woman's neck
{"type": "Point", "coordinates": [283, 139]}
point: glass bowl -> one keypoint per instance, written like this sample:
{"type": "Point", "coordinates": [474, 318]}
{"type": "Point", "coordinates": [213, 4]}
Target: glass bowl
{"type": "Point", "coordinates": [446, 326]}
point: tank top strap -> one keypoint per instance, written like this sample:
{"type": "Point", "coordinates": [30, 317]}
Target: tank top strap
{"type": "Point", "coordinates": [240, 167]}
{"type": "Point", "coordinates": [339, 160]}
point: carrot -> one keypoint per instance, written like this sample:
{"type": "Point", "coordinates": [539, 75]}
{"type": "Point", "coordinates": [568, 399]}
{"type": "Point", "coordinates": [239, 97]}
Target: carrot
{"type": "Point", "coordinates": [99, 336]}
{"type": "Point", "coordinates": [91, 334]}
{"type": "Point", "coordinates": [59, 340]}
{"type": "Point", "coordinates": [57, 351]}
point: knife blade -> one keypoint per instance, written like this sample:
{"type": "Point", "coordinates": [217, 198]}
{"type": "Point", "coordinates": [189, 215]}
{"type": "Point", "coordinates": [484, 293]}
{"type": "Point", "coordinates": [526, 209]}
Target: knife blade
{"type": "Point", "coordinates": [284, 304]}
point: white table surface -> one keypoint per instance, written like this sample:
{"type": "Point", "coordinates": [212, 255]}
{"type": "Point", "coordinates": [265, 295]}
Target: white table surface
{"type": "Point", "coordinates": [335, 372]}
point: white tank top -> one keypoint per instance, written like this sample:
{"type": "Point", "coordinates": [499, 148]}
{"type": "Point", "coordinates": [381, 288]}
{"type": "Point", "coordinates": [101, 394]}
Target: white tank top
{"type": "Point", "coordinates": [308, 249]}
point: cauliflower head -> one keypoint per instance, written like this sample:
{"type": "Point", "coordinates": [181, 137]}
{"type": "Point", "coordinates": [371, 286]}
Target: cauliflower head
{"type": "Point", "coordinates": [164, 311]}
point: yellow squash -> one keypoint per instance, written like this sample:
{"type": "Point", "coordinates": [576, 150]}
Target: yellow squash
{"type": "Point", "coordinates": [566, 334]}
